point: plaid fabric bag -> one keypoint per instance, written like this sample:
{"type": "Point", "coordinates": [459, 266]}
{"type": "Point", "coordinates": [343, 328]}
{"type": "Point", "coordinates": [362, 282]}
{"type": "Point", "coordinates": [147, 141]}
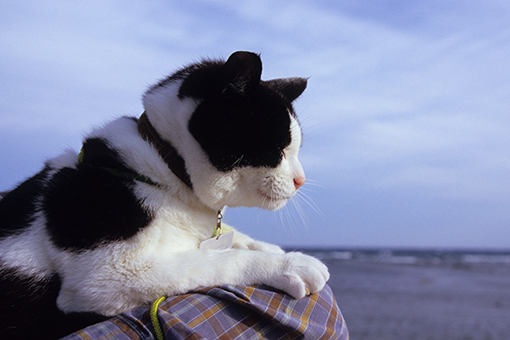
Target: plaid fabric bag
{"type": "Point", "coordinates": [229, 312]}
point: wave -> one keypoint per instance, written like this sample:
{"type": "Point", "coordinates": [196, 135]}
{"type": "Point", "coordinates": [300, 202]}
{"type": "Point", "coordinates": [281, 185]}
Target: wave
{"type": "Point", "coordinates": [412, 257]}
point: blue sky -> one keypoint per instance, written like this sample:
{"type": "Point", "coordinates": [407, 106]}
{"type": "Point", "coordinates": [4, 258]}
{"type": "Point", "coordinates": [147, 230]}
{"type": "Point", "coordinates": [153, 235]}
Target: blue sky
{"type": "Point", "coordinates": [405, 117]}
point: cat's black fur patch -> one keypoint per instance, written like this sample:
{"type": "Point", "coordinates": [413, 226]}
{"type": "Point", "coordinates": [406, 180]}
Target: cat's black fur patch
{"type": "Point", "coordinates": [89, 205]}
{"type": "Point", "coordinates": [17, 208]}
{"type": "Point", "coordinates": [241, 131]}
{"type": "Point", "coordinates": [29, 309]}
{"type": "Point", "coordinates": [241, 120]}
{"type": "Point", "coordinates": [96, 152]}
{"type": "Point", "coordinates": [204, 70]}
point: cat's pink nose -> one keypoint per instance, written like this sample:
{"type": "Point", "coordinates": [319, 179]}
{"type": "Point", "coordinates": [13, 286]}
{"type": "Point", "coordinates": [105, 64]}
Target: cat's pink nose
{"type": "Point", "coordinates": [299, 181]}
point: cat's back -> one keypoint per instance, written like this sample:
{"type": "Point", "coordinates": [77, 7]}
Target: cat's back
{"type": "Point", "coordinates": [34, 217]}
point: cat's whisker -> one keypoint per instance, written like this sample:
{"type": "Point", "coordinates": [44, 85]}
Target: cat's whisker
{"type": "Point", "coordinates": [282, 220]}
{"type": "Point", "coordinates": [308, 200]}
{"type": "Point", "coordinates": [286, 218]}
{"type": "Point", "coordinates": [299, 210]}
{"type": "Point", "coordinates": [312, 182]}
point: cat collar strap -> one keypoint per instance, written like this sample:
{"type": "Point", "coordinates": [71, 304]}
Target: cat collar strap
{"type": "Point", "coordinates": [169, 154]}
{"type": "Point", "coordinates": [118, 173]}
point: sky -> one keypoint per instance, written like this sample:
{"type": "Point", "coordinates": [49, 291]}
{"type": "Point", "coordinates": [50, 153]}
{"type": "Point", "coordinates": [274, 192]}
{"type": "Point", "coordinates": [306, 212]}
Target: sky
{"type": "Point", "coordinates": [405, 118]}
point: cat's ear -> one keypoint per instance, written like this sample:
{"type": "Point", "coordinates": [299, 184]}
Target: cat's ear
{"type": "Point", "coordinates": [290, 88]}
{"type": "Point", "coordinates": [242, 71]}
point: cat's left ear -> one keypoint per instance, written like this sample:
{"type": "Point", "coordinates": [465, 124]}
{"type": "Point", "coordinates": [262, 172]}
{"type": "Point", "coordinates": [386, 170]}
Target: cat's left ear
{"type": "Point", "coordinates": [290, 88]}
{"type": "Point", "coordinates": [242, 71]}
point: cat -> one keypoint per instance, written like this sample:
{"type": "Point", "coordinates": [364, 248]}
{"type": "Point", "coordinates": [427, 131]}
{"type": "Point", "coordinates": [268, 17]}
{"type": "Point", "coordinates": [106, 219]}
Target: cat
{"type": "Point", "coordinates": [119, 224]}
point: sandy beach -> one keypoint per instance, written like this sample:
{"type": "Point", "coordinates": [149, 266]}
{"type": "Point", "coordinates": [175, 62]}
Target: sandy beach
{"type": "Point", "coordinates": [423, 301]}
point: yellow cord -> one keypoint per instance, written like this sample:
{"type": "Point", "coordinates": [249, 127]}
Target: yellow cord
{"type": "Point", "coordinates": [154, 318]}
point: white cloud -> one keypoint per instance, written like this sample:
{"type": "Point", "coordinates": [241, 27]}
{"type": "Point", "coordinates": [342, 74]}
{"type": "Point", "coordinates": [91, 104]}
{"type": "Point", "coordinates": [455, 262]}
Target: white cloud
{"type": "Point", "coordinates": [415, 97]}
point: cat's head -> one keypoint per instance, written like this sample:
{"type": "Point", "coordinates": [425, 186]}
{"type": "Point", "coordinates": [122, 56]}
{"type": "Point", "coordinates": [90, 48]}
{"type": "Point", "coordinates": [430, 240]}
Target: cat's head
{"type": "Point", "coordinates": [238, 135]}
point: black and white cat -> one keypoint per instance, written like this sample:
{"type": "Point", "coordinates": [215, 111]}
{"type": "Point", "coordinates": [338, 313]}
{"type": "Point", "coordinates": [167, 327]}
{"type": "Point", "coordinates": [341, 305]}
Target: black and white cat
{"type": "Point", "coordinates": [118, 225]}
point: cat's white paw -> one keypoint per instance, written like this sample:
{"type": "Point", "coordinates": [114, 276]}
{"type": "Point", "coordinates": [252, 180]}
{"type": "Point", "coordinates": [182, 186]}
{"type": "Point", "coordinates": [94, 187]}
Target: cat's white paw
{"type": "Point", "coordinates": [302, 275]}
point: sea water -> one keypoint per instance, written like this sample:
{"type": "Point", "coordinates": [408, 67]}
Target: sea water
{"type": "Point", "coordinates": [421, 294]}
{"type": "Point", "coordinates": [413, 256]}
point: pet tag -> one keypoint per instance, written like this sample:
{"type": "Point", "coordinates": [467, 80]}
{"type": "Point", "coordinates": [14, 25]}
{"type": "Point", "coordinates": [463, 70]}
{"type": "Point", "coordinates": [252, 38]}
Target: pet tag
{"type": "Point", "coordinates": [223, 241]}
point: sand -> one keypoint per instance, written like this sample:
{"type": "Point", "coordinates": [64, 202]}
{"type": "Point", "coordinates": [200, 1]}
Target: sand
{"type": "Point", "coordinates": [413, 302]}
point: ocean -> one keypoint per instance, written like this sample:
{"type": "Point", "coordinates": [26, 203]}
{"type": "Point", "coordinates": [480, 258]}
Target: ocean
{"type": "Point", "coordinates": [421, 294]}
{"type": "Point", "coordinates": [413, 256]}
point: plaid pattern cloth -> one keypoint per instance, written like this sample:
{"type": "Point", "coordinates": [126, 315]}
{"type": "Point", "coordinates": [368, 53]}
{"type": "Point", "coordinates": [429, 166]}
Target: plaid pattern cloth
{"type": "Point", "coordinates": [229, 312]}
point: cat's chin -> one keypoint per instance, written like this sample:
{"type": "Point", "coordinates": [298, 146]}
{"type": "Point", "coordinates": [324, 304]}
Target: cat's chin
{"type": "Point", "coordinates": [273, 202]}
{"type": "Point", "coordinates": [274, 206]}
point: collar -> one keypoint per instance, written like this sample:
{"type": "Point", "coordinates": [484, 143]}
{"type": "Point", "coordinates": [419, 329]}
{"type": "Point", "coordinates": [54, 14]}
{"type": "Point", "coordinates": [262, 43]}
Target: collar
{"type": "Point", "coordinates": [166, 150]}
{"type": "Point", "coordinates": [118, 173]}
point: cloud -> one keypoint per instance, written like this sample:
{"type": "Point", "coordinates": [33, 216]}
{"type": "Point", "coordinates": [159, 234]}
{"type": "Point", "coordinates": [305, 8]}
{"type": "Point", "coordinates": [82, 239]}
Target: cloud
{"type": "Point", "coordinates": [402, 96]}
{"type": "Point", "coordinates": [416, 109]}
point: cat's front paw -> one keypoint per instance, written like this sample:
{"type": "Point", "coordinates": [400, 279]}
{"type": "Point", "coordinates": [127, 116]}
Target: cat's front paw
{"type": "Point", "coordinates": [302, 275]}
{"type": "Point", "coordinates": [305, 275]}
